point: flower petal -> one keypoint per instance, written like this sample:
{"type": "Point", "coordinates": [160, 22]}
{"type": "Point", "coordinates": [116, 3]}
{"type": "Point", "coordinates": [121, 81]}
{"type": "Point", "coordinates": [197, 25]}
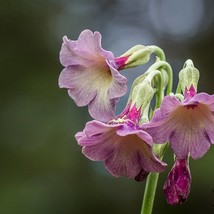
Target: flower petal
{"type": "Point", "coordinates": [131, 155]}
{"type": "Point", "coordinates": [76, 79]}
{"type": "Point", "coordinates": [67, 53]}
{"type": "Point", "coordinates": [89, 45]}
{"type": "Point", "coordinates": [149, 162]}
{"type": "Point", "coordinates": [101, 108]}
{"type": "Point", "coordinates": [205, 99]}
{"type": "Point", "coordinates": [95, 127]}
{"type": "Point", "coordinates": [118, 87]}
{"type": "Point", "coordinates": [79, 135]}
{"type": "Point", "coordinates": [169, 104]}
{"type": "Point", "coordinates": [200, 145]}
{"type": "Point", "coordinates": [98, 152]}
{"type": "Point", "coordinates": [123, 163]}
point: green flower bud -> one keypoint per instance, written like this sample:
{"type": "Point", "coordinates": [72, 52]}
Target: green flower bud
{"type": "Point", "coordinates": [142, 94]}
{"type": "Point", "coordinates": [137, 55]}
{"type": "Point", "coordinates": [188, 76]}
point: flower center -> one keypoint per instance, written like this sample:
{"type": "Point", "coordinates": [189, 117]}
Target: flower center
{"type": "Point", "coordinates": [193, 106]}
{"type": "Point", "coordinates": [192, 115]}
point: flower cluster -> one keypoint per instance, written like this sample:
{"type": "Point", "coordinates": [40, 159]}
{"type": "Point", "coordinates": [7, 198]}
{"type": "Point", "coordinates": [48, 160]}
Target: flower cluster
{"type": "Point", "coordinates": [132, 144]}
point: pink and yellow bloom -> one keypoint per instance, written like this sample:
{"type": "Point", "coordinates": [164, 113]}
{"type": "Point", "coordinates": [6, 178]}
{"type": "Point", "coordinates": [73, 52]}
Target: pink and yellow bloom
{"type": "Point", "coordinates": [91, 74]}
{"type": "Point", "coordinates": [188, 125]}
{"type": "Point", "coordinates": [121, 145]}
{"type": "Point", "coordinates": [177, 185]}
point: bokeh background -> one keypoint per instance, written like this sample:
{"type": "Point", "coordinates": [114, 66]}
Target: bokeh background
{"type": "Point", "coordinates": [42, 168]}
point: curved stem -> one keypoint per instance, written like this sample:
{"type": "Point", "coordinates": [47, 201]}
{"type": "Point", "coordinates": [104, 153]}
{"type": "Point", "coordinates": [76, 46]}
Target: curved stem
{"type": "Point", "coordinates": [178, 90]}
{"type": "Point", "coordinates": [158, 51]}
{"type": "Point", "coordinates": [168, 69]}
{"type": "Point", "coordinates": [179, 96]}
{"type": "Point", "coordinates": [160, 91]}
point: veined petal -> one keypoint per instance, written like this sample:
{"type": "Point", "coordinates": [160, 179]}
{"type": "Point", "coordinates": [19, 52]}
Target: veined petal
{"type": "Point", "coordinates": [95, 127]}
{"type": "Point", "coordinates": [72, 54]}
{"type": "Point", "coordinates": [75, 78]}
{"type": "Point", "coordinates": [118, 86]}
{"type": "Point", "coordinates": [159, 130]}
{"type": "Point", "coordinates": [150, 162]}
{"type": "Point", "coordinates": [89, 44]}
{"type": "Point", "coordinates": [67, 53]}
{"type": "Point", "coordinates": [100, 151]}
{"type": "Point", "coordinates": [79, 135]}
{"type": "Point", "coordinates": [122, 163]}
{"type": "Point", "coordinates": [169, 104]}
{"type": "Point", "coordinates": [101, 108]}
{"type": "Point", "coordinates": [99, 141]}
{"type": "Point", "coordinates": [126, 130]}
{"type": "Point", "coordinates": [87, 41]}
{"type": "Point", "coordinates": [204, 98]}
{"type": "Point", "coordinates": [96, 132]}
{"type": "Point", "coordinates": [131, 154]}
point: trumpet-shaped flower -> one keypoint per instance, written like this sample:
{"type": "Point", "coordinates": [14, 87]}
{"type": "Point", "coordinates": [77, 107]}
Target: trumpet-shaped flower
{"type": "Point", "coordinates": [177, 185]}
{"type": "Point", "coordinates": [91, 74]}
{"type": "Point", "coordinates": [187, 125]}
{"type": "Point", "coordinates": [125, 149]}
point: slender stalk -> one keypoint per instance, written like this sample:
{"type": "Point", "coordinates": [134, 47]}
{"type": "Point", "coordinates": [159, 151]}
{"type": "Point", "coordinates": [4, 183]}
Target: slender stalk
{"type": "Point", "coordinates": [149, 194]}
{"type": "Point", "coordinates": [158, 51]}
{"type": "Point", "coordinates": [178, 90]}
{"type": "Point", "coordinates": [152, 180]}
{"type": "Point", "coordinates": [157, 65]}
{"type": "Point", "coordinates": [160, 91]}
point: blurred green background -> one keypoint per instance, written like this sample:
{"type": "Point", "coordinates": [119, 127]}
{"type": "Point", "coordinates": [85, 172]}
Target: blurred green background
{"type": "Point", "coordinates": [42, 168]}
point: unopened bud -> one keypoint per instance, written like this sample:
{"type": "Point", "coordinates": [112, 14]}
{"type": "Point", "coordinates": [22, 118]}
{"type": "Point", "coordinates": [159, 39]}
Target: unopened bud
{"type": "Point", "coordinates": [188, 76]}
{"type": "Point", "coordinates": [177, 185]}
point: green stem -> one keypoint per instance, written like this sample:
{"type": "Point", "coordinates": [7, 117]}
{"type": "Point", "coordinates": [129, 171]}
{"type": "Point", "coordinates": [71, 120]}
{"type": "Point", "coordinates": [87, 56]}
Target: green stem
{"type": "Point", "coordinates": [149, 194]}
{"type": "Point", "coordinates": [159, 92]}
{"type": "Point", "coordinates": [178, 90]}
{"type": "Point", "coordinates": [157, 65]}
{"type": "Point", "coordinates": [152, 180]}
{"type": "Point", "coordinates": [179, 96]}
{"type": "Point", "coordinates": [158, 51]}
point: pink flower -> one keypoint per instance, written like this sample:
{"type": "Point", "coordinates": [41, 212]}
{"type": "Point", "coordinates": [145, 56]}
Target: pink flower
{"type": "Point", "coordinates": [121, 145]}
{"type": "Point", "coordinates": [91, 74]}
{"type": "Point", "coordinates": [177, 185]}
{"type": "Point", "coordinates": [187, 125]}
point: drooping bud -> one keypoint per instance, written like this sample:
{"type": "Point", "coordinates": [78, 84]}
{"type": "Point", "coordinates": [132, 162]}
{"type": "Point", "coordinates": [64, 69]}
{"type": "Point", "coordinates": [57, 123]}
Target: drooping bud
{"type": "Point", "coordinates": [142, 94]}
{"type": "Point", "coordinates": [177, 185]}
{"type": "Point", "coordinates": [137, 55]}
{"type": "Point", "coordinates": [188, 76]}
